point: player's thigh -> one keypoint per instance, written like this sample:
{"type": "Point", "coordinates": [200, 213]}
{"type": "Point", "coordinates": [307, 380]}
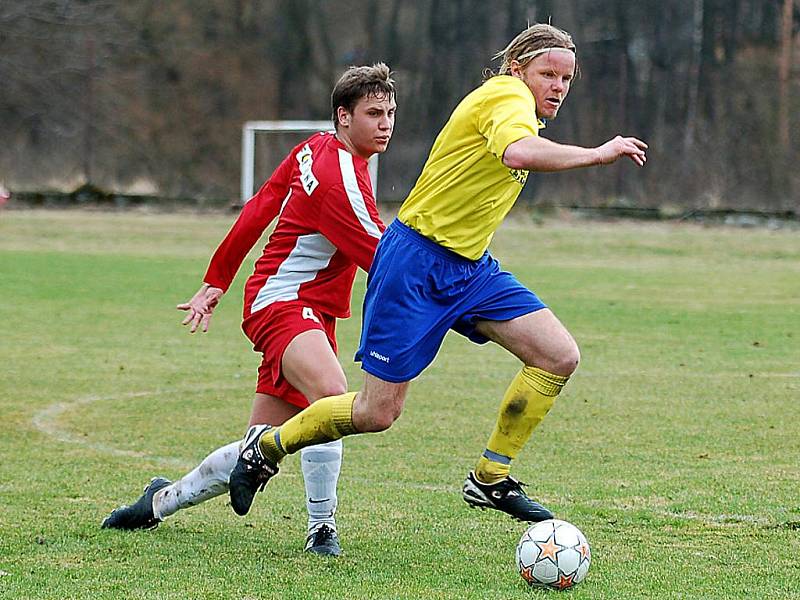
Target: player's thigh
{"type": "Point", "coordinates": [310, 365]}
{"type": "Point", "coordinates": [378, 404]}
{"type": "Point", "coordinates": [538, 339]}
{"type": "Point", "coordinates": [271, 410]}
{"type": "Point", "coordinates": [413, 295]}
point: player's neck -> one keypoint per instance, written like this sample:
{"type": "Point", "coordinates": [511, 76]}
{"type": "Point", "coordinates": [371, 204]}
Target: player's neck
{"type": "Point", "coordinates": [349, 146]}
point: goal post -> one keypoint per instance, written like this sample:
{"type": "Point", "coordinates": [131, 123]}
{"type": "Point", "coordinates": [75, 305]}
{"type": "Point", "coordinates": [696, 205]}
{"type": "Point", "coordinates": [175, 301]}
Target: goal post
{"type": "Point", "coordinates": [249, 130]}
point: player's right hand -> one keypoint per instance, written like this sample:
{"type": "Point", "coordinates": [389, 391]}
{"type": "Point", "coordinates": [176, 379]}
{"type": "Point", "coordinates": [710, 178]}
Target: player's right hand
{"type": "Point", "coordinates": [201, 307]}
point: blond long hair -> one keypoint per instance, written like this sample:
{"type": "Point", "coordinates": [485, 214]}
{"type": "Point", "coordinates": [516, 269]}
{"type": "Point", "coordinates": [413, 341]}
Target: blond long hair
{"type": "Point", "coordinates": [526, 46]}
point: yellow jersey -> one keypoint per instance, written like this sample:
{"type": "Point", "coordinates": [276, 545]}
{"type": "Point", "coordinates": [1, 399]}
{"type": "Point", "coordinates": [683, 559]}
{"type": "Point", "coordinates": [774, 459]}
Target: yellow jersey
{"type": "Point", "coordinates": [465, 191]}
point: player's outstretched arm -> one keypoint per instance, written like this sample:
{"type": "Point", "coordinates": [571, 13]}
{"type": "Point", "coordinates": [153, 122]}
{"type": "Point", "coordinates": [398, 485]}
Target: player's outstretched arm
{"type": "Point", "coordinates": [534, 153]}
{"type": "Point", "coordinates": [200, 307]}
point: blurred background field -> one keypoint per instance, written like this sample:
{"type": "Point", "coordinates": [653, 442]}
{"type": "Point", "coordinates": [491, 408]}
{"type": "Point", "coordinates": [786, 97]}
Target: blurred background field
{"type": "Point", "coordinates": [674, 448]}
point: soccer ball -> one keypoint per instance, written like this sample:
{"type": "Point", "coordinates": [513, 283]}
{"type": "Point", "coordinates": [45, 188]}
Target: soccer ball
{"type": "Point", "coordinates": [553, 554]}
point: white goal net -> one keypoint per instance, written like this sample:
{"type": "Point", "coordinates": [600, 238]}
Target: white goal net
{"type": "Point", "coordinates": [269, 157]}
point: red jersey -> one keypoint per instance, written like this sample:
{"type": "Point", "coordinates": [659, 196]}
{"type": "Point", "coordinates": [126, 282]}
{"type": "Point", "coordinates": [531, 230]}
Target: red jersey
{"type": "Point", "coordinates": [328, 225]}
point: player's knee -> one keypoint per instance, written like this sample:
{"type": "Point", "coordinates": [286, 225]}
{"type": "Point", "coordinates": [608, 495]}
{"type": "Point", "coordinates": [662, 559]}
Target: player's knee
{"type": "Point", "coordinates": [562, 361]}
{"type": "Point", "coordinates": [566, 361]}
{"type": "Point", "coordinates": [326, 386]}
{"type": "Point", "coordinates": [378, 405]}
{"type": "Point", "coordinates": [382, 420]}
{"type": "Point", "coordinates": [330, 387]}
{"type": "Point", "coordinates": [381, 417]}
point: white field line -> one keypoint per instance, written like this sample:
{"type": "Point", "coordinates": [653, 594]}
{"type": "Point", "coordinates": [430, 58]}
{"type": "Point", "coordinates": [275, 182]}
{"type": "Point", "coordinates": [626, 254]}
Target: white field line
{"type": "Point", "coordinates": [47, 422]}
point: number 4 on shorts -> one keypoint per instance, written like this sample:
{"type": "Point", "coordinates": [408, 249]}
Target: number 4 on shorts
{"type": "Point", "coordinates": [309, 314]}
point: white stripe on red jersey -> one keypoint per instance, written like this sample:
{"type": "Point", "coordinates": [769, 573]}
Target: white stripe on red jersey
{"type": "Point", "coordinates": [310, 255]}
{"type": "Point", "coordinates": [285, 200]}
{"type": "Point", "coordinates": [354, 194]}
{"type": "Point", "coordinates": [328, 224]}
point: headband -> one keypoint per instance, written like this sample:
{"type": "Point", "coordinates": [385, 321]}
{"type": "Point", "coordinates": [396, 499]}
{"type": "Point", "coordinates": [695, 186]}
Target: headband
{"type": "Point", "coordinates": [534, 53]}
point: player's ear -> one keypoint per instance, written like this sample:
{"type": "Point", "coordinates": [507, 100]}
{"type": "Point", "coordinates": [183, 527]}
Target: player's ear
{"type": "Point", "coordinates": [514, 68]}
{"type": "Point", "coordinates": [343, 116]}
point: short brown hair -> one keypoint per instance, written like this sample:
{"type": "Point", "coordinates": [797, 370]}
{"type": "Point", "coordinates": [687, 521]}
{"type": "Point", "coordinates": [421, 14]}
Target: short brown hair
{"type": "Point", "coordinates": [536, 37]}
{"type": "Point", "coordinates": [357, 83]}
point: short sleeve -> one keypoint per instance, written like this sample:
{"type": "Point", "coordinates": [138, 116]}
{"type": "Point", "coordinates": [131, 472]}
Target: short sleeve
{"type": "Point", "coordinates": [507, 114]}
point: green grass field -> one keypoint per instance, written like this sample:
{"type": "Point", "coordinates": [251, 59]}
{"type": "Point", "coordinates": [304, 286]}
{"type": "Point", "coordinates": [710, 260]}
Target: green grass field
{"type": "Point", "coordinates": [674, 448]}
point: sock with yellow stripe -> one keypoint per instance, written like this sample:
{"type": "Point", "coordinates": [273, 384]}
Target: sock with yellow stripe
{"type": "Point", "coordinates": [326, 420]}
{"type": "Point", "coordinates": [526, 402]}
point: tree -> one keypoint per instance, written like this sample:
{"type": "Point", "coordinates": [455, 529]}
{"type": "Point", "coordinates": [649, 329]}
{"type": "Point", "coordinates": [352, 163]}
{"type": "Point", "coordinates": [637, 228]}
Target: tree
{"type": "Point", "coordinates": [784, 71]}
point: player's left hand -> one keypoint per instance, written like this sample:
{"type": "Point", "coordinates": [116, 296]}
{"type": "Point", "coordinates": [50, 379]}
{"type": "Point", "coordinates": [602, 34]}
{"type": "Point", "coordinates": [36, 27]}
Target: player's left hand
{"type": "Point", "coordinates": [201, 307]}
{"type": "Point", "coordinates": [620, 146]}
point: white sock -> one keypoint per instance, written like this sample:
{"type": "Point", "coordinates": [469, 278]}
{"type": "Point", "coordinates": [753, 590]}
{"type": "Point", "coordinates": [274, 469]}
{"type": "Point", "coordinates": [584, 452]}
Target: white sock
{"type": "Point", "coordinates": [208, 480]}
{"type": "Point", "coordinates": [321, 466]}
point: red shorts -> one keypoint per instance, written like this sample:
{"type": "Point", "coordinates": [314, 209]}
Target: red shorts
{"type": "Point", "coordinates": [271, 329]}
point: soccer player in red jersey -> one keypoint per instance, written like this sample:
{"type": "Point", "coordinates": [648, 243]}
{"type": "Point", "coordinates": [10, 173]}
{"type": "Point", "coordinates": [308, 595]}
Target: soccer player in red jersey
{"type": "Point", "coordinates": [328, 225]}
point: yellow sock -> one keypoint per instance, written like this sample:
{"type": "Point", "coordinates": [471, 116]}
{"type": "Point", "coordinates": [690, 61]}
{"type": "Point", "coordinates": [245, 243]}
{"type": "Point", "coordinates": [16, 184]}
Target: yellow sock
{"type": "Point", "coordinates": [325, 420]}
{"type": "Point", "coordinates": [526, 402]}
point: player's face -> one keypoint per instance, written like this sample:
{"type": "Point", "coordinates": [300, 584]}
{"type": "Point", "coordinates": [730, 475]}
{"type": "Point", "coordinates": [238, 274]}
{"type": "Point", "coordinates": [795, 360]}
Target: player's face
{"type": "Point", "coordinates": [548, 76]}
{"type": "Point", "coordinates": [369, 127]}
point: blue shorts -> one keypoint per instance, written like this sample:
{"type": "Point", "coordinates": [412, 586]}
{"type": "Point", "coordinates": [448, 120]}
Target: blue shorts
{"type": "Point", "coordinates": [417, 290]}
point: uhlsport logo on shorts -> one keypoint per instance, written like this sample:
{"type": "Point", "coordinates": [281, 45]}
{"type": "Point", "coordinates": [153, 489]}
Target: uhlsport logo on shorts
{"type": "Point", "coordinates": [380, 357]}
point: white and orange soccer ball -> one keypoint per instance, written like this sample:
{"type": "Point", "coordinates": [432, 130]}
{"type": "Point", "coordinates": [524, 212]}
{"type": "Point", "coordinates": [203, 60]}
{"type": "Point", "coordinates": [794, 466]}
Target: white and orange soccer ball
{"type": "Point", "coordinates": [553, 554]}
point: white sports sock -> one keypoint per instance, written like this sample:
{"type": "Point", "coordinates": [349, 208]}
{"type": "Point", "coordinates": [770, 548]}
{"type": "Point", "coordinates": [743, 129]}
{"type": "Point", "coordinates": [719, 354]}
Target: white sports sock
{"type": "Point", "coordinates": [321, 466]}
{"type": "Point", "coordinates": [208, 480]}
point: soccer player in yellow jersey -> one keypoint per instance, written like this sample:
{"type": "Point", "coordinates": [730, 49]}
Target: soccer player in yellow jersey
{"type": "Point", "coordinates": [432, 272]}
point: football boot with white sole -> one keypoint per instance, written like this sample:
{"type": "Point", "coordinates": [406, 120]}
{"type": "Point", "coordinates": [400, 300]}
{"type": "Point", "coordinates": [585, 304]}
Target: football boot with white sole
{"type": "Point", "coordinates": [324, 541]}
{"type": "Point", "coordinates": [138, 515]}
{"type": "Point", "coordinates": [252, 471]}
{"type": "Point", "coordinates": [506, 496]}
